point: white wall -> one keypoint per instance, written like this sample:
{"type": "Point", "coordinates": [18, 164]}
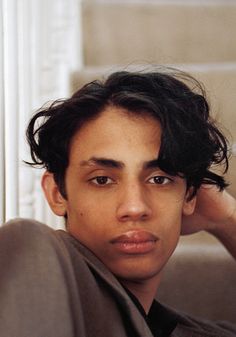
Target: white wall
{"type": "Point", "coordinates": [40, 47]}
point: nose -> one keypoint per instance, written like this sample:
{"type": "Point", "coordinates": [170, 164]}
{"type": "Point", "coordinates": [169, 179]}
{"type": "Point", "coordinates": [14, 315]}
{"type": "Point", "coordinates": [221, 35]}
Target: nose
{"type": "Point", "coordinates": [133, 204]}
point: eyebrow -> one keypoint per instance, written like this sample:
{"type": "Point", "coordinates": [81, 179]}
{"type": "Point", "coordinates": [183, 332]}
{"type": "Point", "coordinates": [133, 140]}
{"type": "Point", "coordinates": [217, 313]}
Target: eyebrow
{"type": "Point", "coordinates": [112, 163]}
{"type": "Point", "coordinates": [152, 164]}
{"type": "Point", "coordinates": [105, 162]}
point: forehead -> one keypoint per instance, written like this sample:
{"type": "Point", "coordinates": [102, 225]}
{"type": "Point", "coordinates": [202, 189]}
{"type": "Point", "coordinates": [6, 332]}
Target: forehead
{"type": "Point", "coordinates": [117, 132]}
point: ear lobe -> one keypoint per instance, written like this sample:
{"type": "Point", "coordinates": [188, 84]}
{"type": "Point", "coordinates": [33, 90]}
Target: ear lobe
{"type": "Point", "coordinates": [51, 191]}
{"type": "Point", "coordinates": [189, 205]}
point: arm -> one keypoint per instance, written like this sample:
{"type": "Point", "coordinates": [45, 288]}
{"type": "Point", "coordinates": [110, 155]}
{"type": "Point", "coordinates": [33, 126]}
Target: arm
{"type": "Point", "coordinates": [215, 213]}
{"type": "Point", "coordinates": [35, 290]}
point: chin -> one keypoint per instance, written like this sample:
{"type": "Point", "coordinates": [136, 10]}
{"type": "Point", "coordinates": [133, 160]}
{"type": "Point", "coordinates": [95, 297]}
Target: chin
{"type": "Point", "coordinates": [137, 274]}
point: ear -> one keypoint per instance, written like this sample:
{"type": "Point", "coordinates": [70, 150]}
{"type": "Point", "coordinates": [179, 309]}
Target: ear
{"type": "Point", "coordinates": [189, 204]}
{"type": "Point", "coordinates": [51, 191]}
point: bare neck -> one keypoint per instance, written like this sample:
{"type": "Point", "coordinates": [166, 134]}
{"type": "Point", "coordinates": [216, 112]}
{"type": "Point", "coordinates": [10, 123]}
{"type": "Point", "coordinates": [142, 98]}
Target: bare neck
{"type": "Point", "coordinates": [144, 291]}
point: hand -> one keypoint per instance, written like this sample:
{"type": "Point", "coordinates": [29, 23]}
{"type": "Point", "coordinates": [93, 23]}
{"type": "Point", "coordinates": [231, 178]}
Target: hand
{"type": "Point", "coordinates": [214, 209]}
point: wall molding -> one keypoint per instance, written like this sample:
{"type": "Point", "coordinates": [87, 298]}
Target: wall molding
{"type": "Point", "coordinates": [40, 49]}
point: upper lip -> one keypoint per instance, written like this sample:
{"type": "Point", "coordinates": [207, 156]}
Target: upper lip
{"type": "Point", "coordinates": [135, 236]}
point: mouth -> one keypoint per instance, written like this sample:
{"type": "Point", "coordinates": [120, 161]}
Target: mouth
{"type": "Point", "coordinates": [135, 242]}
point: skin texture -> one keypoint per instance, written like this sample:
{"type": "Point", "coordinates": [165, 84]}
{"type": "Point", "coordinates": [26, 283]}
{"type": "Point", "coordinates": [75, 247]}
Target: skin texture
{"type": "Point", "coordinates": [115, 190]}
{"type": "Point", "coordinates": [215, 212]}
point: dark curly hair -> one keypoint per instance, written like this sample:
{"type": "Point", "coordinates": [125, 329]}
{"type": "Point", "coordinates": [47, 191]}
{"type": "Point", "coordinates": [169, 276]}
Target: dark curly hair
{"type": "Point", "coordinates": [190, 144]}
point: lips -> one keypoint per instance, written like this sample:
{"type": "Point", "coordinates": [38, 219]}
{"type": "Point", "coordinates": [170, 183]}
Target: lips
{"type": "Point", "coordinates": [135, 242]}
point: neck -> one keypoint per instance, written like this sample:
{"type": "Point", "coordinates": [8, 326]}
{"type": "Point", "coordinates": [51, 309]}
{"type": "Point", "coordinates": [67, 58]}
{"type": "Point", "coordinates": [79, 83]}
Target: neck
{"type": "Point", "coordinates": [144, 291]}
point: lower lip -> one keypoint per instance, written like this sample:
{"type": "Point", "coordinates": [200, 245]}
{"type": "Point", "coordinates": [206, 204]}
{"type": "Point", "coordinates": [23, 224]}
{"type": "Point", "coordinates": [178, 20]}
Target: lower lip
{"type": "Point", "coordinates": [135, 247]}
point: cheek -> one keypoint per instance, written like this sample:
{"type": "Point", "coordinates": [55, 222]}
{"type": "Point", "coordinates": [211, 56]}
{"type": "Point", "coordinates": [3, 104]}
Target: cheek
{"type": "Point", "coordinates": [93, 211]}
{"type": "Point", "coordinates": [170, 219]}
{"type": "Point", "coordinates": [170, 209]}
{"type": "Point", "coordinates": [88, 219]}
{"type": "Point", "coordinates": [170, 233]}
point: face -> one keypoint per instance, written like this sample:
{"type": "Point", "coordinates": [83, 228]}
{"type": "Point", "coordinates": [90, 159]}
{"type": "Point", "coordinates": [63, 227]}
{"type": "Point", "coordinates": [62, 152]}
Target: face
{"type": "Point", "coordinates": [119, 203]}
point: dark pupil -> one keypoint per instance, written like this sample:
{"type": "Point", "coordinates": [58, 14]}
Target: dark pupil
{"type": "Point", "coordinates": [159, 180]}
{"type": "Point", "coordinates": [102, 180]}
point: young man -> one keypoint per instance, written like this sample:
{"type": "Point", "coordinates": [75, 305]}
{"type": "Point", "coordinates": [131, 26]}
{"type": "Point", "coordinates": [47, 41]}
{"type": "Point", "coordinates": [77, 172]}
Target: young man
{"type": "Point", "coordinates": [125, 159]}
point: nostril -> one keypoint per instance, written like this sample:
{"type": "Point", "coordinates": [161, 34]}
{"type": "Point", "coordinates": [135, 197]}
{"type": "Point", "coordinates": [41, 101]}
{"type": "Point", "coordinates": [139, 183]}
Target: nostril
{"type": "Point", "coordinates": [131, 215]}
{"type": "Point", "coordinates": [124, 217]}
{"type": "Point", "coordinates": [134, 205]}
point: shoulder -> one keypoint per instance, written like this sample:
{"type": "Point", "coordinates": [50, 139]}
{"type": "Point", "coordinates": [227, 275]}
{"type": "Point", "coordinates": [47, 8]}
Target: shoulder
{"type": "Point", "coordinates": [24, 233]}
{"type": "Point", "coordinates": [209, 328]}
{"type": "Point", "coordinates": [29, 241]}
{"type": "Point", "coordinates": [24, 223]}
{"type": "Point", "coordinates": [188, 325]}
{"type": "Point", "coordinates": [34, 253]}
{"type": "Point", "coordinates": [21, 226]}
{"type": "Point", "coordinates": [37, 281]}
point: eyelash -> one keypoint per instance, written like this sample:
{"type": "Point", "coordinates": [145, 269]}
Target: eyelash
{"type": "Point", "coordinates": [101, 177]}
{"type": "Point", "coordinates": [161, 180]}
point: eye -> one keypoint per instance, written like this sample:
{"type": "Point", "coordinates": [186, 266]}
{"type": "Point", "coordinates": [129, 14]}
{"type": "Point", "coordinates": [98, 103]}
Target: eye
{"type": "Point", "coordinates": [159, 180]}
{"type": "Point", "coordinates": [101, 180]}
